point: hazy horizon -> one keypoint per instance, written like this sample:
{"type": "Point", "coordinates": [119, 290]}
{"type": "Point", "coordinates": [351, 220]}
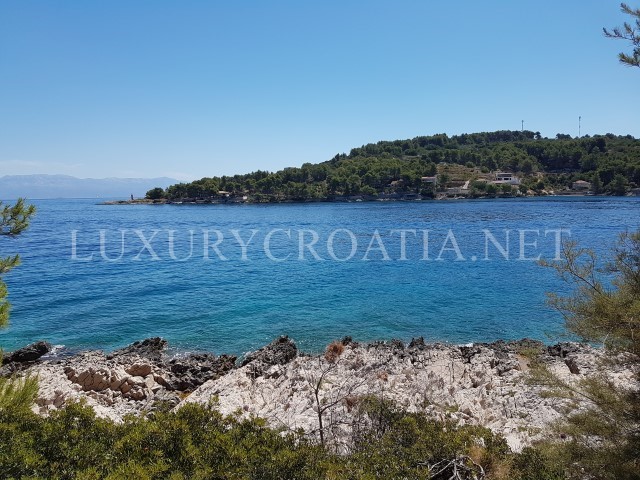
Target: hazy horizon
{"type": "Point", "coordinates": [82, 178]}
{"type": "Point", "coordinates": [47, 186]}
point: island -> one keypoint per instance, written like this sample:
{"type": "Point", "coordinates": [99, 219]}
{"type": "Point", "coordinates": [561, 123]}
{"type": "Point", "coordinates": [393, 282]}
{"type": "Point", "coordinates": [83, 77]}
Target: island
{"type": "Point", "coordinates": [476, 165]}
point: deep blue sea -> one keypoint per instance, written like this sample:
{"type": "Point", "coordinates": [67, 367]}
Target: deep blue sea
{"type": "Point", "coordinates": [96, 276]}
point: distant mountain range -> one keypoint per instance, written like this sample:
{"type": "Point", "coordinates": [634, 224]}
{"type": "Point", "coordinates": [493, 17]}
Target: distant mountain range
{"type": "Point", "coordinates": [66, 186]}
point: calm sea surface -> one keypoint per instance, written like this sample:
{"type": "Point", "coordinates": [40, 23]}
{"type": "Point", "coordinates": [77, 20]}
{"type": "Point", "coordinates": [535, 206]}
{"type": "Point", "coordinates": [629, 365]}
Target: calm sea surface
{"type": "Point", "coordinates": [455, 284]}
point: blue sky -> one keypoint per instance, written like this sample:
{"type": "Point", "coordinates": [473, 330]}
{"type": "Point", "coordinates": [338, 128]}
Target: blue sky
{"type": "Point", "coordinates": [201, 88]}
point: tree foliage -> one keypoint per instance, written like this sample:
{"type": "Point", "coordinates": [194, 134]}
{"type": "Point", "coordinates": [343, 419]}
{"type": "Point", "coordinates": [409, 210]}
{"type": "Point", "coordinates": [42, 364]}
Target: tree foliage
{"type": "Point", "coordinates": [605, 306]}
{"type": "Point", "coordinates": [155, 193]}
{"type": "Point", "coordinates": [17, 393]}
{"type": "Point", "coordinates": [14, 219]}
{"type": "Point", "coordinates": [629, 32]}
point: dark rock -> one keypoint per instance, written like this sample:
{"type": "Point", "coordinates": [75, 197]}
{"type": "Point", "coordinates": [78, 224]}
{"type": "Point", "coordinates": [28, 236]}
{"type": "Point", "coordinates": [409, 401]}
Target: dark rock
{"type": "Point", "coordinates": [562, 349]}
{"type": "Point", "coordinates": [376, 345]}
{"type": "Point", "coordinates": [469, 352]}
{"type": "Point", "coordinates": [152, 349]}
{"type": "Point", "coordinates": [348, 342]}
{"type": "Point", "coordinates": [279, 352]}
{"type": "Point", "coordinates": [30, 353]}
{"type": "Point", "coordinates": [501, 349]}
{"type": "Point", "coordinates": [417, 343]}
{"type": "Point", "coordinates": [504, 366]}
{"type": "Point", "coordinates": [573, 366]}
{"type": "Point", "coordinates": [527, 343]}
{"type": "Point", "coordinates": [396, 344]}
{"type": "Point", "coordinates": [188, 373]}
{"type": "Point", "coordinates": [178, 367]}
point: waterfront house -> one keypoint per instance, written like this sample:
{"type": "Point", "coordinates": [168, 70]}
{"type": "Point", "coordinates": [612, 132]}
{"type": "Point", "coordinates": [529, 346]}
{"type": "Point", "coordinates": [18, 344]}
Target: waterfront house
{"type": "Point", "coordinates": [581, 186]}
{"type": "Point", "coordinates": [430, 180]}
{"type": "Point", "coordinates": [505, 178]}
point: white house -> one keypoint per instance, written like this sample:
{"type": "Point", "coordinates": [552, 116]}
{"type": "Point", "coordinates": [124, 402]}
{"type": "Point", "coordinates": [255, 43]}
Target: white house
{"type": "Point", "coordinates": [506, 177]}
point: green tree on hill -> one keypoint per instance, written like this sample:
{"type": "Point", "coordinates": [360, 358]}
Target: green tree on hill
{"type": "Point", "coordinates": [596, 183]}
{"type": "Point", "coordinates": [506, 188]}
{"type": "Point", "coordinates": [155, 194]}
{"type": "Point", "coordinates": [618, 185]}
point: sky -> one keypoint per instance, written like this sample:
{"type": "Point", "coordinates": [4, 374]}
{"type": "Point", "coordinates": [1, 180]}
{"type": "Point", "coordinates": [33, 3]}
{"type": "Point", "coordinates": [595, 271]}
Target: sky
{"type": "Point", "coordinates": [203, 88]}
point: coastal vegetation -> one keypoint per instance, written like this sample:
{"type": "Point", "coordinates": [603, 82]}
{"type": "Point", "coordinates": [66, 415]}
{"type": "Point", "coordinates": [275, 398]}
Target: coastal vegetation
{"type": "Point", "coordinates": [437, 165]}
{"type": "Point", "coordinates": [198, 442]}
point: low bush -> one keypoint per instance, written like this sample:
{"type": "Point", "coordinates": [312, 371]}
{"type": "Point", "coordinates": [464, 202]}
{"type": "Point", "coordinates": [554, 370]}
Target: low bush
{"type": "Point", "coordinates": [197, 442]}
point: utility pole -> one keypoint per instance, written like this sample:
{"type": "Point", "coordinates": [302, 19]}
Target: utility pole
{"type": "Point", "coordinates": [579, 126]}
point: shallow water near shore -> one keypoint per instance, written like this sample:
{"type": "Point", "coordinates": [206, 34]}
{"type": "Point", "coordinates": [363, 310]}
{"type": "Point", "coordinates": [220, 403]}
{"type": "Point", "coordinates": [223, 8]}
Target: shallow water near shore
{"type": "Point", "coordinates": [451, 284]}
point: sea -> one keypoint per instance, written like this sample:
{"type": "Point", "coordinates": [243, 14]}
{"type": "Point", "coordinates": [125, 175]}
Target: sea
{"type": "Point", "coordinates": [231, 278]}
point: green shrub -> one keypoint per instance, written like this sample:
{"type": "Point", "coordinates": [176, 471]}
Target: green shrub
{"type": "Point", "coordinates": [197, 442]}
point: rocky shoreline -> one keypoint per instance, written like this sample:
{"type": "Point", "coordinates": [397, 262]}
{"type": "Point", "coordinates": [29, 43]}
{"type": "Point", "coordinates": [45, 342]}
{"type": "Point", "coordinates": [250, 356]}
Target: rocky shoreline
{"type": "Point", "coordinates": [400, 197]}
{"type": "Point", "coordinates": [479, 384]}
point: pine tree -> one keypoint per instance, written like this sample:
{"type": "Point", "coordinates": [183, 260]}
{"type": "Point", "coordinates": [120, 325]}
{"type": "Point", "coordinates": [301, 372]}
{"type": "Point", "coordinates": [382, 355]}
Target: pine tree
{"type": "Point", "coordinates": [14, 219]}
{"type": "Point", "coordinates": [604, 439]}
{"type": "Point", "coordinates": [629, 32]}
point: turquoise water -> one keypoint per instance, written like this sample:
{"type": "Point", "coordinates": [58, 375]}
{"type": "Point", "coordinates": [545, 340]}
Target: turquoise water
{"type": "Point", "coordinates": [240, 304]}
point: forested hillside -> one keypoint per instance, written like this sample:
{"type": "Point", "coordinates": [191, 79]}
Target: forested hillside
{"type": "Point", "coordinates": [610, 163]}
